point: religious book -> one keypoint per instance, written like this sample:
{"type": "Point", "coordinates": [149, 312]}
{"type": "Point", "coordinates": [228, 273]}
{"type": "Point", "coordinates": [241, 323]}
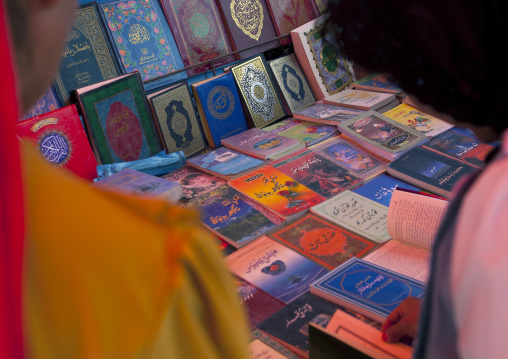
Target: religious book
{"type": "Point", "coordinates": [321, 5]}
{"type": "Point", "coordinates": [140, 184]}
{"type": "Point", "coordinates": [461, 147]}
{"type": "Point", "coordinates": [261, 144]}
{"type": "Point", "coordinates": [264, 347]}
{"type": "Point", "coordinates": [277, 192]}
{"type": "Point", "coordinates": [352, 156]}
{"type": "Point", "coordinates": [288, 15]}
{"type": "Point", "coordinates": [199, 33]}
{"type": "Point", "coordinates": [356, 213]}
{"type": "Point", "coordinates": [326, 114]}
{"type": "Point", "coordinates": [376, 82]}
{"type": "Point", "coordinates": [194, 182]}
{"type": "Point", "coordinates": [46, 103]}
{"type": "Point", "coordinates": [321, 175]}
{"type": "Point", "coordinates": [366, 288]}
{"type": "Point", "coordinates": [381, 188]}
{"type": "Point", "coordinates": [308, 133]}
{"type": "Point", "coordinates": [360, 100]}
{"type": "Point", "coordinates": [256, 89]}
{"type": "Point", "coordinates": [429, 170]}
{"type": "Point", "coordinates": [322, 241]}
{"type": "Point", "coordinates": [89, 56]}
{"type": "Point", "coordinates": [275, 269]}
{"type": "Point", "coordinates": [418, 120]}
{"type": "Point", "coordinates": [177, 120]}
{"type": "Point", "coordinates": [322, 61]}
{"type": "Point", "coordinates": [225, 213]}
{"type": "Point", "coordinates": [61, 140]}
{"type": "Point", "coordinates": [225, 163]}
{"type": "Point", "coordinates": [259, 305]}
{"type": "Point", "coordinates": [220, 108]}
{"type": "Point", "coordinates": [118, 120]}
{"type": "Point", "coordinates": [248, 24]}
{"type": "Point", "coordinates": [291, 81]}
{"type": "Point", "coordinates": [144, 41]}
{"type": "Point", "coordinates": [382, 135]}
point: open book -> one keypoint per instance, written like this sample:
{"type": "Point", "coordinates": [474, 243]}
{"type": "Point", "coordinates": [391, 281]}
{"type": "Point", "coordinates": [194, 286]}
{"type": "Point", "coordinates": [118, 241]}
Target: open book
{"type": "Point", "coordinates": [413, 221]}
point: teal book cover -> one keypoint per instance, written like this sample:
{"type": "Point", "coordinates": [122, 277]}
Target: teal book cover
{"type": "Point", "coordinates": [144, 40]}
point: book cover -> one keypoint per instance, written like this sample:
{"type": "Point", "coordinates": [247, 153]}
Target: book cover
{"type": "Point", "coordinates": [290, 325]}
{"type": "Point", "coordinates": [366, 288]}
{"type": "Point", "coordinates": [321, 175]}
{"type": "Point", "coordinates": [219, 107]}
{"type": "Point", "coordinates": [261, 144]}
{"type": "Point", "coordinates": [225, 213]}
{"type": "Point", "coordinates": [177, 120]}
{"type": "Point", "coordinates": [46, 103]}
{"type": "Point", "coordinates": [381, 188]}
{"type": "Point", "coordinates": [381, 134]}
{"type": "Point", "coordinates": [144, 40]}
{"type": "Point", "coordinates": [360, 100]}
{"type": "Point", "coordinates": [308, 133]}
{"type": "Point", "coordinates": [321, 59]}
{"type": "Point", "coordinates": [225, 163]}
{"type": "Point", "coordinates": [352, 156]}
{"type": "Point", "coordinates": [194, 182]}
{"type": "Point", "coordinates": [259, 305]}
{"type": "Point", "coordinates": [257, 91]}
{"type": "Point", "coordinates": [277, 191]}
{"type": "Point", "coordinates": [418, 120]}
{"type": "Point", "coordinates": [264, 347]}
{"type": "Point", "coordinates": [322, 241]}
{"type": "Point", "coordinates": [292, 82]}
{"type": "Point", "coordinates": [326, 114]}
{"type": "Point", "coordinates": [429, 170]}
{"type": "Point", "coordinates": [288, 15]}
{"type": "Point", "coordinates": [198, 32]}
{"type": "Point", "coordinates": [275, 269]}
{"type": "Point", "coordinates": [356, 213]}
{"type": "Point", "coordinates": [140, 184]}
{"type": "Point", "coordinates": [118, 120]}
{"type": "Point", "coordinates": [61, 140]}
{"type": "Point", "coordinates": [322, 6]}
{"type": "Point", "coordinates": [88, 56]}
{"type": "Point", "coordinates": [376, 82]}
{"type": "Point", "coordinates": [249, 24]}
{"type": "Point", "coordinates": [460, 147]}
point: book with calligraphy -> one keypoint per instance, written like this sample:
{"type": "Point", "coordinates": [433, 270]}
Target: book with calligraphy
{"type": "Point", "coordinates": [376, 82]}
{"type": "Point", "coordinates": [322, 241]}
{"type": "Point", "coordinates": [360, 100]}
{"type": "Point", "coordinates": [225, 163]}
{"type": "Point", "coordinates": [321, 175]}
{"type": "Point", "coordinates": [220, 108]}
{"type": "Point", "coordinates": [248, 24]}
{"type": "Point", "coordinates": [308, 133]}
{"type": "Point", "coordinates": [381, 188]}
{"type": "Point", "coordinates": [144, 41]}
{"type": "Point", "coordinates": [382, 135]}
{"type": "Point", "coordinates": [88, 57]}
{"type": "Point", "coordinates": [275, 269]}
{"type": "Point", "coordinates": [288, 15]}
{"type": "Point", "coordinates": [118, 120]}
{"type": "Point", "coordinates": [61, 140]}
{"type": "Point", "coordinates": [46, 103]}
{"type": "Point", "coordinates": [225, 213]}
{"type": "Point", "coordinates": [198, 32]}
{"type": "Point", "coordinates": [264, 347]}
{"type": "Point", "coordinates": [366, 288]}
{"type": "Point", "coordinates": [326, 114]}
{"type": "Point", "coordinates": [177, 119]}
{"type": "Point", "coordinates": [277, 192]}
{"type": "Point", "coordinates": [322, 61]}
{"type": "Point", "coordinates": [257, 90]}
{"type": "Point", "coordinates": [194, 182]}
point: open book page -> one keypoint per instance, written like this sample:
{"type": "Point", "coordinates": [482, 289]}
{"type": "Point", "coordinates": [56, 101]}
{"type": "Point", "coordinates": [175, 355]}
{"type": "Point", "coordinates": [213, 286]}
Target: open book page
{"type": "Point", "coordinates": [365, 338]}
{"type": "Point", "coordinates": [415, 218]}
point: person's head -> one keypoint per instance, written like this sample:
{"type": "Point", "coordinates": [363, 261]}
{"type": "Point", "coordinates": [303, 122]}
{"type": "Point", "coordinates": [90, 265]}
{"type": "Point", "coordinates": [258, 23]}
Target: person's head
{"type": "Point", "coordinates": [39, 30]}
{"type": "Point", "coordinates": [197, 179]}
{"type": "Point", "coordinates": [445, 53]}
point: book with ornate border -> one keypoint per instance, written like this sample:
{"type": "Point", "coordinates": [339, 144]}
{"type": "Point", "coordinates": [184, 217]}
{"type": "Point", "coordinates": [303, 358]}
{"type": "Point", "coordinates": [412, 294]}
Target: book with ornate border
{"type": "Point", "coordinates": [46, 103]}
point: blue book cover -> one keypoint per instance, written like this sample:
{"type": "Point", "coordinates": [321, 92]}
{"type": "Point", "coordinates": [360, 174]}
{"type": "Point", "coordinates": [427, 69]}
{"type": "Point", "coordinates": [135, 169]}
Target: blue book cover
{"type": "Point", "coordinates": [144, 40]}
{"type": "Point", "coordinates": [46, 103]}
{"type": "Point", "coordinates": [381, 188]}
{"type": "Point", "coordinates": [220, 108]}
{"type": "Point", "coordinates": [226, 163]}
{"type": "Point", "coordinates": [88, 56]}
{"type": "Point", "coordinates": [366, 288]}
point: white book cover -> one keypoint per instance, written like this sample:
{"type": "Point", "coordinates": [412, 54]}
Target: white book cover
{"type": "Point", "coordinates": [362, 100]}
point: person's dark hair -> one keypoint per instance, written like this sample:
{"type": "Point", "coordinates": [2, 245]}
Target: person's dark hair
{"type": "Point", "coordinates": [445, 53]}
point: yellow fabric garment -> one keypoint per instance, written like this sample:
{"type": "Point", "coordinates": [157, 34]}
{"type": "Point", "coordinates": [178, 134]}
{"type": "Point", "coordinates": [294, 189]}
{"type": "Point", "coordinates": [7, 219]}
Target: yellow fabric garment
{"type": "Point", "coordinates": [111, 276]}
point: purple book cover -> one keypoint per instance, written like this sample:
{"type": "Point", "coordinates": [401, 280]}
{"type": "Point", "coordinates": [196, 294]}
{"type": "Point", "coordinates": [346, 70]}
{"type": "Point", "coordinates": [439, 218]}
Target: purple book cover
{"type": "Point", "coordinates": [194, 182]}
{"type": "Point", "coordinates": [225, 161]}
{"type": "Point", "coordinates": [320, 111]}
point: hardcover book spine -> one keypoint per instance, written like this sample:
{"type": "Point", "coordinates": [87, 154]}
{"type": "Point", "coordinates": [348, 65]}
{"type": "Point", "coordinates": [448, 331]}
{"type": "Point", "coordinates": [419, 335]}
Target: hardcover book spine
{"type": "Point", "coordinates": [204, 122]}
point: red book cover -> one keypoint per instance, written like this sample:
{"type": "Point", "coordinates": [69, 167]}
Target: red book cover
{"type": "Point", "coordinates": [62, 141]}
{"type": "Point", "coordinates": [287, 15]}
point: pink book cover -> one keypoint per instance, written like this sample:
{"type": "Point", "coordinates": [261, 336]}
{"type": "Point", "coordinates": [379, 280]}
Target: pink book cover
{"type": "Point", "coordinates": [288, 15]}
